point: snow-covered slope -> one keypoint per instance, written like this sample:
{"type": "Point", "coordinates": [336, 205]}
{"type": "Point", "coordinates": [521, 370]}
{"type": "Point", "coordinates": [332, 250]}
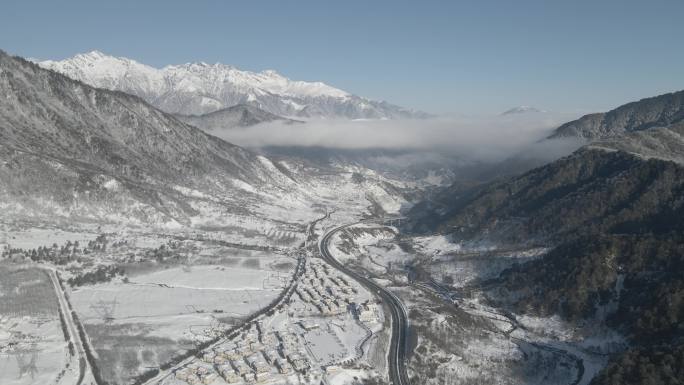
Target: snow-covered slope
{"type": "Point", "coordinates": [65, 144]}
{"type": "Point", "coordinates": [522, 110]}
{"type": "Point", "coordinates": [69, 151]}
{"type": "Point", "coordinates": [199, 88]}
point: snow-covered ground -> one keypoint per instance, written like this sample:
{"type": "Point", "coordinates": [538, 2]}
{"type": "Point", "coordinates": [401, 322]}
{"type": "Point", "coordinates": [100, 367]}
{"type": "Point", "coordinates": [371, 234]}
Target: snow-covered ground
{"type": "Point", "coordinates": [151, 291]}
{"type": "Point", "coordinates": [44, 360]}
{"type": "Point", "coordinates": [473, 342]}
{"type": "Point", "coordinates": [173, 306]}
{"type": "Point", "coordinates": [33, 349]}
{"type": "Point", "coordinates": [205, 289]}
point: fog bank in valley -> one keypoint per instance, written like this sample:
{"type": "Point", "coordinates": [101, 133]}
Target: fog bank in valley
{"type": "Point", "coordinates": [482, 139]}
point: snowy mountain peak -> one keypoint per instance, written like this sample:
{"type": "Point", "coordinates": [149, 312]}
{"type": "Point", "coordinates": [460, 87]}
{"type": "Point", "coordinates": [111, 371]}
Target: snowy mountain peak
{"type": "Point", "coordinates": [92, 55]}
{"type": "Point", "coordinates": [202, 66]}
{"type": "Point", "coordinates": [271, 73]}
{"type": "Point", "coordinates": [521, 110]}
{"type": "Point", "coordinates": [199, 88]}
{"type": "Point", "coordinates": [94, 59]}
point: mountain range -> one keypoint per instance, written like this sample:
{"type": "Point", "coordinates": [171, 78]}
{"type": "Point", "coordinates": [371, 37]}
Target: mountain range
{"type": "Point", "coordinates": [200, 88]}
{"type": "Point", "coordinates": [611, 215]}
{"type": "Point", "coordinates": [66, 146]}
{"type": "Point", "coordinates": [70, 151]}
{"type": "Point", "coordinates": [102, 138]}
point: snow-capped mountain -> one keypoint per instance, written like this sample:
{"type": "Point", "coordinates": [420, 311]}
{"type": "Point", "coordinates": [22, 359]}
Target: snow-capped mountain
{"type": "Point", "coordinates": [71, 151]}
{"type": "Point", "coordinates": [521, 110]}
{"type": "Point", "coordinates": [66, 145]}
{"type": "Point", "coordinates": [200, 88]}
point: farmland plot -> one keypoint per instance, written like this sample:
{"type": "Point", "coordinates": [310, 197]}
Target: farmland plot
{"type": "Point", "coordinates": [33, 349]}
{"type": "Point", "coordinates": [152, 317]}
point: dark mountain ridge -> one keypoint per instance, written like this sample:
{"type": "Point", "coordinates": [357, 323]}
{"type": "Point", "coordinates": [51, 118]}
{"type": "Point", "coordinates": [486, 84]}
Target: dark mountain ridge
{"type": "Point", "coordinates": [241, 115]}
{"type": "Point", "coordinates": [591, 191]}
{"type": "Point", "coordinates": [658, 111]}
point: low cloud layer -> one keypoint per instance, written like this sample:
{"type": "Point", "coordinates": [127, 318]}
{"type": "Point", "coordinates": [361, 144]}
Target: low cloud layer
{"type": "Point", "coordinates": [484, 138]}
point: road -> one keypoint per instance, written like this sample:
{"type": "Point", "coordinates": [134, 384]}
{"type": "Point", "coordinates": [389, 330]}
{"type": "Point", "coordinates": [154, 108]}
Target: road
{"type": "Point", "coordinates": [85, 372]}
{"type": "Point", "coordinates": [397, 353]}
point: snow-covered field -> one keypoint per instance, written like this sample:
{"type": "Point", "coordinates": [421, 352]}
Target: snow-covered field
{"type": "Point", "coordinates": [44, 360]}
{"type": "Point", "coordinates": [217, 278]}
{"type": "Point", "coordinates": [171, 307]}
{"type": "Point", "coordinates": [33, 349]}
{"type": "Point", "coordinates": [200, 289]}
{"type": "Point", "coordinates": [147, 293]}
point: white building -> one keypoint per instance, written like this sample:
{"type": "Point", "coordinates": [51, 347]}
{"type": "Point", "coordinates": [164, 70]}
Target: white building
{"type": "Point", "coordinates": [367, 312]}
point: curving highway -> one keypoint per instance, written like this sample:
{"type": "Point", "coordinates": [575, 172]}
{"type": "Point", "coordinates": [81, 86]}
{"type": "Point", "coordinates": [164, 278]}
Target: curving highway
{"type": "Point", "coordinates": [397, 352]}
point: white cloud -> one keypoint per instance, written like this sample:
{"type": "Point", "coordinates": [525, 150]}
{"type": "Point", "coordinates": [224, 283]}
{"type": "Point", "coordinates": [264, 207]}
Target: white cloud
{"type": "Point", "coordinates": [477, 138]}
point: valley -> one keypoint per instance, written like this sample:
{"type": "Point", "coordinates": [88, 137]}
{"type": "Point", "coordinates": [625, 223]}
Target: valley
{"type": "Point", "coordinates": [140, 307]}
{"type": "Point", "coordinates": [197, 223]}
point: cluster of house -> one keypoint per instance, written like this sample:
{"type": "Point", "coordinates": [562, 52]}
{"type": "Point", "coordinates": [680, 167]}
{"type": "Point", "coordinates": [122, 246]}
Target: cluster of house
{"type": "Point", "coordinates": [260, 352]}
{"type": "Point", "coordinates": [252, 359]}
{"type": "Point", "coordinates": [330, 294]}
{"type": "Point", "coordinates": [290, 349]}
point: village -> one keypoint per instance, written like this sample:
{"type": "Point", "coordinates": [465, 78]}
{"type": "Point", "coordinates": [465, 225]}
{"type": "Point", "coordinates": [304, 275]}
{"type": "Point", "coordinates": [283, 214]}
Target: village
{"type": "Point", "coordinates": [318, 333]}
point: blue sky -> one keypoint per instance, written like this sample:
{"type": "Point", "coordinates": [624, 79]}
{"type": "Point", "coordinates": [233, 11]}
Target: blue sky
{"type": "Point", "coordinates": [453, 57]}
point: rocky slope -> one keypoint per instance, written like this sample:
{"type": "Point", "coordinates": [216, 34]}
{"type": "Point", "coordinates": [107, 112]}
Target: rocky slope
{"type": "Point", "coordinates": [199, 88]}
